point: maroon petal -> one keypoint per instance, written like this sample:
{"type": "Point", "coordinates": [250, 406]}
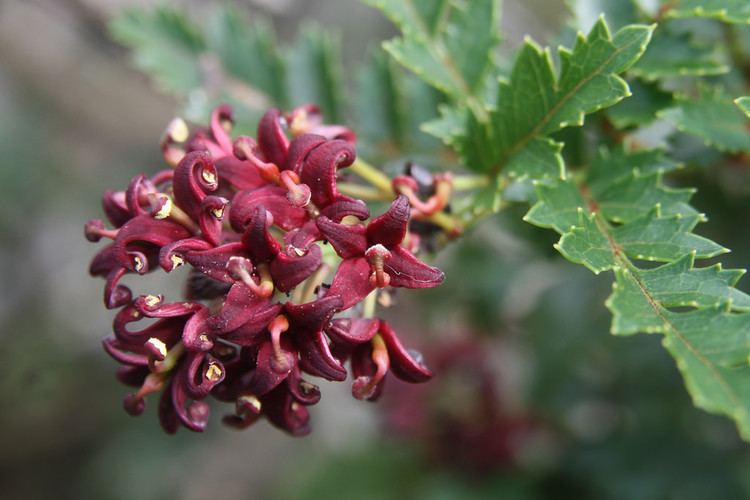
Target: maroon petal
{"type": "Point", "coordinates": [348, 240]}
{"type": "Point", "coordinates": [153, 306]}
{"type": "Point", "coordinates": [312, 316]}
{"type": "Point", "coordinates": [320, 167]}
{"type": "Point", "coordinates": [353, 330]}
{"type": "Point", "coordinates": [407, 271]}
{"type": "Point", "coordinates": [120, 353]}
{"type": "Point", "coordinates": [272, 139]}
{"type": "Point", "coordinates": [363, 371]}
{"type": "Point", "coordinates": [167, 414]}
{"type": "Point", "coordinates": [238, 174]}
{"type": "Point", "coordinates": [304, 236]}
{"type": "Point", "coordinates": [194, 176]}
{"type": "Point", "coordinates": [202, 372]}
{"type": "Point", "coordinates": [241, 308]}
{"type": "Point", "coordinates": [299, 149]}
{"type": "Point", "coordinates": [193, 415]}
{"type": "Point", "coordinates": [144, 229]}
{"type": "Point", "coordinates": [249, 333]}
{"type": "Point", "coordinates": [266, 375]}
{"type": "Point", "coordinates": [289, 269]}
{"type": "Point", "coordinates": [332, 132]}
{"type": "Point", "coordinates": [344, 206]}
{"type": "Point", "coordinates": [173, 254]}
{"type": "Point", "coordinates": [133, 376]}
{"type": "Point", "coordinates": [116, 295]}
{"type": "Point", "coordinates": [195, 335]}
{"type": "Point", "coordinates": [135, 196]}
{"type": "Point", "coordinates": [213, 262]}
{"type": "Point", "coordinates": [211, 217]}
{"type": "Point", "coordinates": [406, 365]}
{"type": "Point", "coordinates": [282, 411]}
{"type": "Point", "coordinates": [219, 116]}
{"type": "Point", "coordinates": [390, 228]}
{"type": "Point", "coordinates": [259, 242]}
{"type": "Point", "coordinates": [115, 207]}
{"type": "Point", "coordinates": [352, 282]}
{"type": "Point", "coordinates": [316, 358]}
{"type": "Point", "coordinates": [303, 391]}
{"type": "Point", "coordinates": [274, 199]}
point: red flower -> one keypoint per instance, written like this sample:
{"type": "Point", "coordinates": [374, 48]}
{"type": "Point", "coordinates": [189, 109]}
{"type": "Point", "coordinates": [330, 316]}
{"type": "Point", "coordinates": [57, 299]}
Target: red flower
{"type": "Point", "coordinates": [247, 217]}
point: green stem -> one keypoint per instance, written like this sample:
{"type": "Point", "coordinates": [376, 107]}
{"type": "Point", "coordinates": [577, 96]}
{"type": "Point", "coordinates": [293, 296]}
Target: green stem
{"type": "Point", "coordinates": [370, 302]}
{"type": "Point", "coordinates": [372, 175]}
{"type": "Point", "coordinates": [362, 192]}
{"type": "Point", "coordinates": [469, 182]}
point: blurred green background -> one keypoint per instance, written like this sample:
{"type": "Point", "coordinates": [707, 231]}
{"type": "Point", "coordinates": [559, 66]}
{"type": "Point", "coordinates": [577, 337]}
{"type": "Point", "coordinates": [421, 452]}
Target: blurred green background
{"type": "Point", "coordinates": [533, 398]}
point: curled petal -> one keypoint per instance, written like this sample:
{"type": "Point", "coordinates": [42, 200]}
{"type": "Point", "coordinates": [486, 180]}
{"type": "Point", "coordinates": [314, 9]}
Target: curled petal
{"type": "Point", "coordinates": [289, 268]}
{"type": "Point", "coordinates": [282, 411]}
{"type": "Point", "coordinates": [194, 176]}
{"type": "Point", "coordinates": [242, 308]}
{"type": "Point", "coordinates": [304, 236]}
{"type": "Point", "coordinates": [116, 207]}
{"type": "Point", "coordinates": [406, 365]}
{"type": "Point", "coordinates": [364, 371]}
{"type": "Point", "coordinates": [193, 415]}
{"type": "Point", "coordinates": [348, 240]}
{"type": "Point", "coordinates": [211, 217]}
{"type": "Point", "coordinates": [153, 306]}
{"type": "Point", "coordinates": [407, 271]}
{"type": "Point", "coordinates": [313, 316]}
{"type": "Point", "coordinates": [221, 119]}
{"type": "Point", "coordinates": [320, 167]}
{"type": "Point", "coordinates": [352, 282]}
{"type": "Point", "coordinates": [173, 254]}
{"type": "Point", "coordinates": [274, 199]}
{"type": "Point", "coordinates": [238, 174]}
{"type": "Point", "coordinates": [167, 414]}
{"type": "Point", "coordinates": [303, 391]}
{"type": "Point", "coordinates": [299, 149]}
{"type": "Point", "coordinates": [195, 335]}
{"type": "Point", "coordinates": [135, 196]}
{"type": "Point", "coordinates": [213, 262]}
{"type": "Point", "coordinates": [272, 140]}
{"type": "Point", "coordinates": [144, 229]}
{"type": "Point", "coordinates": [122, 354]}
{"type": "Point", "coordinates": [116, 295]}
{"type": "Point", "coordinates": [266, 376]}
{"type": "Point", "coordinates": [249, 333]}
{"type": "Point", "coordinates": [202, 372]}
{"type": "Point", "coordinates": [353, 330]}
{"type": "Point", "coordinates": [389, 229]}
{"type": "Point", "coordinates": [344, 206]}
{"type": "Point", "coordinates": [259, 242]}
{"type": "Point", "coordinates": [316, 358]}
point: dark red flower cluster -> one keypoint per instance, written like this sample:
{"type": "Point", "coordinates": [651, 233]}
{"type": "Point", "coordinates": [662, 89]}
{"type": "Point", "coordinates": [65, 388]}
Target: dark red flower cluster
{"type": "Point", "coordinates": [248, 215]}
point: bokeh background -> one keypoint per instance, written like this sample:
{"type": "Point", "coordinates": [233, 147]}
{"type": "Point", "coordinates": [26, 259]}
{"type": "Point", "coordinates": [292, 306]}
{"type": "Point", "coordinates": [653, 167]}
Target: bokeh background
{"type": "Point", "coordinates": [533, 398]}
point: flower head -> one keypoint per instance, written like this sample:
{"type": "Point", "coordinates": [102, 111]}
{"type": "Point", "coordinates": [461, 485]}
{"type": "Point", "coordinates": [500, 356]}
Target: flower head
{"type": "Point", "coordinates": [248, 216]}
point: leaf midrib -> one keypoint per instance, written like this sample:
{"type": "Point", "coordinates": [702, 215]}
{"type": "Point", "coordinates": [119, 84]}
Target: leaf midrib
{"type": "Point", "coordinates": [518, 146]}
{"type": "Point", "coordinates": [625, 263]}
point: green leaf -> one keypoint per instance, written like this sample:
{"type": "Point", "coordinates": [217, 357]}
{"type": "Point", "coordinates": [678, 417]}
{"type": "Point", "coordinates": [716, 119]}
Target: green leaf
{"type": "Point", "coordinates": [730, 11]}
{"type": "Point", "coordinates": [381, 104]}
{"type": "Point", "coordinates": [165, 45]}
{"type": "Point", "coordinates": [535, 102]}
{"type": "Point", "coordinates": [712, 116]}
{"type": "Point", "coordinates": [449, 44]}
{"type": "Point", "coordinates": [315, 74]}
{"type": "Point", "coordinates": [704, 319]}
{"type": "Point", "coordinates": [676, 55]}
{"type": "Point", "coordinates": [744, 104]}
{"type": "Point", "coordinates": [248, 52]}
{"type": "Point", "coordinates": [640, 109]}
